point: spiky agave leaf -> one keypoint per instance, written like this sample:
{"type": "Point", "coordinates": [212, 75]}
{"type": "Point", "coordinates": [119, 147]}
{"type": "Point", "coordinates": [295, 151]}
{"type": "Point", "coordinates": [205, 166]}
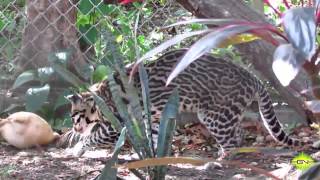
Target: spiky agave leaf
{"type": "Point", "coordinates": [109, 172]}
{"type": "Point", "coordinates": [166, 131]}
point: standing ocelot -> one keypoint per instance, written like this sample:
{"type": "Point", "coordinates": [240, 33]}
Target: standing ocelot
{"type": "Point", "coordinates": [216, 89]}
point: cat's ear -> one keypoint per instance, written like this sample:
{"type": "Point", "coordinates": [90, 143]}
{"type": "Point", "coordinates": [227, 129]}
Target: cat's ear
{"type": "Point", "coordinates": [88, 100]}
{"type": "Point", "coordinates": [74, 98]}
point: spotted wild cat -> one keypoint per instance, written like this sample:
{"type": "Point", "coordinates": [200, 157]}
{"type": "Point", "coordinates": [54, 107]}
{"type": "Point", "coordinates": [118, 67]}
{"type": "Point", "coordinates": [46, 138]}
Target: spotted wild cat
{"type": "Point", "coordinates": [217, 90]}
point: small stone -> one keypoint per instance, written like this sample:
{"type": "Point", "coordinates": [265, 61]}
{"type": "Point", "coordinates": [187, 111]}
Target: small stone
{"type": "Point", "coordinates": [239, 176]}
{"type": "Point", "coordinates": [305, 139]}
{"type": "Point", "coordinates": [253, 163]}
{"type": "Point", "coordinates": [269, 138]}
{"type": "Point", "coordinates": [23, 154]}
{"type": "Point", "coordinates": [303, 134]}
{"type": "Point", "coordinates": [260, 139]}
{"type": "Point", "coordinates": [211, 166]}
{"type": "Point", "coordinates": [316, 144]}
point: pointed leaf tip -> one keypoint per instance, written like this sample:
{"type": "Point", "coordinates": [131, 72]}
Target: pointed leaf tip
{"type": "Point", "coordinates": [287, 62]}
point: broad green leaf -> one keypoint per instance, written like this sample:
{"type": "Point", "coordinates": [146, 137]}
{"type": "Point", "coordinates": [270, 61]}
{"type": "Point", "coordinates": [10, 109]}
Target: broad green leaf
{"type": "Point", "coordinates": [166, 131]}
{"type": "Point", "coordinates": [85, 6]}
{"type": "Point", "coordinates": [24, 77]}
{"type": "Point", "coordinates": [83, 19]}
{"type": "Point", "coordinates": [106, 9]}
{"type": "Point", "coordinates": [109, 172]}
{"type": "Point", "coordinates": [2, 25]}
{"type": "Point", "coordinates": [100, 73]}
{"type": "Point", "coordinates": [90, 33]}
{"type": "Point", "coordinates": [35, 97]}
{"type": "Point", "coordinates": [286, 63]}
{"type": "Point", "coordinates": [44, 73]}
{"type": "Point", "coordinates": [300, 27]}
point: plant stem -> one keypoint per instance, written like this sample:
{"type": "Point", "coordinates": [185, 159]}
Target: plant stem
{"type": "Point", "coordinates": [286, 4]}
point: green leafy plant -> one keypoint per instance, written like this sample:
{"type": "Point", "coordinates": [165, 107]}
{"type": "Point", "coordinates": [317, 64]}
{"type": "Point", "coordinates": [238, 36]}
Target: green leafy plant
{"type": "Point", "coordinates": [137, 128]}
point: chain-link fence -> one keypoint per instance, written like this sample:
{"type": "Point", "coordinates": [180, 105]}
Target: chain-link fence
{"type": "Point", "coordinates": [32, 29]}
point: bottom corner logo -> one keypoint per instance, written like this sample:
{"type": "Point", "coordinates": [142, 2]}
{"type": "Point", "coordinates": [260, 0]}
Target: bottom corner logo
{"type": "Point", "coordinates": [302, 161]}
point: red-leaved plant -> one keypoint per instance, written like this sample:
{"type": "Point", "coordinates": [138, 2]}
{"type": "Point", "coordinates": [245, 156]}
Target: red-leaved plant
{"type": "Point", "coordinates": [296, 46]}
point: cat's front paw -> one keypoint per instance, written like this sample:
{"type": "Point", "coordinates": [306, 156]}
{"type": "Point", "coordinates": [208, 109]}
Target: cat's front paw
{"type": "Point", "coordinates": [78, 150]}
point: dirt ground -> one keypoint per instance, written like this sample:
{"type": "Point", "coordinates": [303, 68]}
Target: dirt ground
{"type": "Point", "coordinates": [54, 163]}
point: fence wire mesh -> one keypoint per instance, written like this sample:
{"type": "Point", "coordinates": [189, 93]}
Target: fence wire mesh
{"type": "Point", "coordinates": [32, 29]}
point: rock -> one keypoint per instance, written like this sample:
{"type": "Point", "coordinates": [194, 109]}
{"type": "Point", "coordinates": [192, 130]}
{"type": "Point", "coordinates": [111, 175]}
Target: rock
{"type": "Point", "coordinates": [253, 163]}
{"type": "Point", "coordinates": [269, 138]}
{"type": "Point", "coordinates": [260, 139]}
{"type": "Point", "coordinates": [25, 129]}
{"type": "Point", "coordinates": [316, 144]}
{"type": "Point", "coordinates": [303, 134]}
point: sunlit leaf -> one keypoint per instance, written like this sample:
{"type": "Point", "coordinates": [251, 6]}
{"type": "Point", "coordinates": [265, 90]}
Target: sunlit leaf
{"type": "Point", "coordinates": [24, 77]}
{"type": "Point", "coordinates": [119, 38]}
{"type": "Point", "coordinates": [83, 19]}
{"type": "Point", "coordinates": [35, 97]}
{"type": "Point", "coordinates": [109, 172]}
{"type": "Point", "coordinates": [286, 63]}
{"type": "Point", "coordinates": [300, 27]}
{"type": "Point", "coordinates": [238, 39]}
{"type": "Point", "coordinates": [100, 73]}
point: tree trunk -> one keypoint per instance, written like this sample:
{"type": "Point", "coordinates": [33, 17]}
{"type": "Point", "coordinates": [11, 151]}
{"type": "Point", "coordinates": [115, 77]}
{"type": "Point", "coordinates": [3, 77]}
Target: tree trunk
{"type": "Point", "coordinates": [258, 52]}
{"type": "Point", "coordinates": [50, 28]}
